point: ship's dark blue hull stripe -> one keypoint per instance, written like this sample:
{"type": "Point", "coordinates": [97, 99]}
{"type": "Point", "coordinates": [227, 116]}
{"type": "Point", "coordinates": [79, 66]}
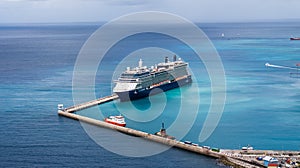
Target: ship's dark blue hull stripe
{"type": "Point", "coordinates": [137, 94]}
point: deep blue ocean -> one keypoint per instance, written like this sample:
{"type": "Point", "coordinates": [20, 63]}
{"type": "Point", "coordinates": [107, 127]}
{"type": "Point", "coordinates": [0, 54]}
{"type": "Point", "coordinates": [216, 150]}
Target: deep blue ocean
{"type": "Point", "coordinates": [36, 68]}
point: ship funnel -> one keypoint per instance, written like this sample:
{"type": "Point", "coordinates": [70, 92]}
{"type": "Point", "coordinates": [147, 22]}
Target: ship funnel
{"type": "Point", "coordinates": [174, 58]}
{"type": "Point", "coordinates": [166, 59]}
{"type": "Point", "coordinates": [140, 63]}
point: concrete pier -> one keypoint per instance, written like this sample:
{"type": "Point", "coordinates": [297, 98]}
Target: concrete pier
{"type": "Point", "coordinates": [91, 103]}
{"type": "Point", "coordinates": [234, 158]}
{"type": "Point", "coordinates": [151, 137]}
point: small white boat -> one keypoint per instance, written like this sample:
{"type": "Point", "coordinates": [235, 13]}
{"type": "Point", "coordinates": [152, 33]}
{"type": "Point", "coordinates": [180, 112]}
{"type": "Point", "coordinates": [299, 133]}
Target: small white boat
{"type": "Point", "coordinates": [188, 142]}
{"type": "Point", "coordinates": [116, 120]}
{"type": "Point", "coordinates": [206, 147]}
{"type": "Point", "coordinates": [295, 38]}
{"type": "Point", "coordinates": [247, 147]}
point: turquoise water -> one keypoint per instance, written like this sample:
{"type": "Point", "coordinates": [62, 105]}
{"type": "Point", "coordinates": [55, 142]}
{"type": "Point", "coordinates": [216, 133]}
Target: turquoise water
{"type": "Point", "coordinates": [36, 71]}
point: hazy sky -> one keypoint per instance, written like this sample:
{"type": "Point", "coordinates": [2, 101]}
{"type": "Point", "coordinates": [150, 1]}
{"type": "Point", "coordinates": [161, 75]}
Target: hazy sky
{"type": "Point", "coordinates": [29, 11]}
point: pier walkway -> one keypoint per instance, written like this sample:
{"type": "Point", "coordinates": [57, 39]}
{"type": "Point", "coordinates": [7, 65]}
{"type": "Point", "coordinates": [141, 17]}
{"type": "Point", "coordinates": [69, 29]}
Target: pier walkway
{"type": "Point", "coordinates": [91, 103]}
{"type": "Point", "coordinates": [234, 158]}
{"type": "Point", "coordinates": [148, 136]}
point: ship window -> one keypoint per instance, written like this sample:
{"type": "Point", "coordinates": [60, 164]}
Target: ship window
{"type": "Point", "coordinates": [127, 75]}
{"type": "Point", "coordinates": [141, 74]}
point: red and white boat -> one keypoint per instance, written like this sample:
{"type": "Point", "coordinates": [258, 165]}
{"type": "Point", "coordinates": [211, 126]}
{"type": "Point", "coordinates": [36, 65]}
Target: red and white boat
{"type": "Point", "coordinates": [116, 120]}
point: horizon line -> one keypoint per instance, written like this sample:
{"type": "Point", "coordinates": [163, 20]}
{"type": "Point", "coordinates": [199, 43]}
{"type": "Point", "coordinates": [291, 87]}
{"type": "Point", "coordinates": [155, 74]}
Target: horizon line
{"type": "Point", "coordinates": [196, 22]}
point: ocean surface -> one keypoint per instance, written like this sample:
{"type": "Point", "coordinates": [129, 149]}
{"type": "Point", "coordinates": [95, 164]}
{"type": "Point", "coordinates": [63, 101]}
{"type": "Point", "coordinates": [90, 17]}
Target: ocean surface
{"type": "Point", "coordinates": [36, 69]}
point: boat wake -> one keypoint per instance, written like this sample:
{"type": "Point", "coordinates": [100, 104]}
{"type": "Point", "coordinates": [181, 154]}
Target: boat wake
{"type": "Point", "coordinates": [279, 66]}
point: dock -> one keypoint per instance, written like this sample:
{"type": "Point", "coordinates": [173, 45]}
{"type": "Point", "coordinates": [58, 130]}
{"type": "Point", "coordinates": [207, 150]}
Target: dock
{"type": "Point", "coordinates": [148, 136]}
{"type": "Point", "coordinates": [233, 158]}
{"type": "Point", "coordinates": [89, 104]}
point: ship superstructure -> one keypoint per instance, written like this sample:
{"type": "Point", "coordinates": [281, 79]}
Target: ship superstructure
{"type": "Point", "coordinates": [139, 82]}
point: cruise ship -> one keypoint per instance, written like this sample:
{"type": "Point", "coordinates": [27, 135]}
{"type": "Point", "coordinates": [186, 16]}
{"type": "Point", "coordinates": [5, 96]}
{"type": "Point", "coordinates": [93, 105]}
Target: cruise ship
{"type": "Point", "coordinates": [140, 82]}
